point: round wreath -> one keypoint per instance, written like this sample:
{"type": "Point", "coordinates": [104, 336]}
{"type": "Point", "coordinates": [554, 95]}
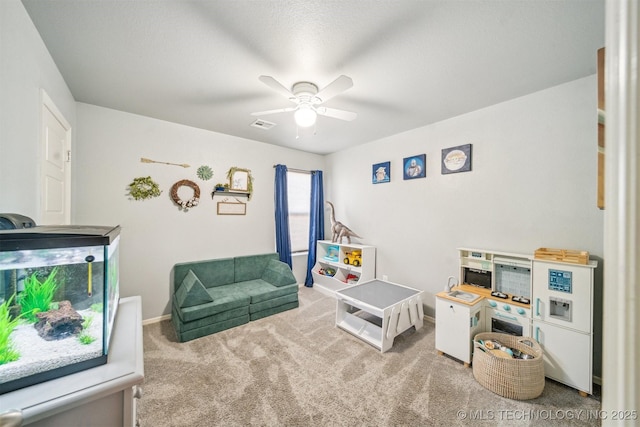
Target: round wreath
{"type": "Point", "coordinates": [144, 188]}
{"type": "Point", "coordinates": [184, 204]}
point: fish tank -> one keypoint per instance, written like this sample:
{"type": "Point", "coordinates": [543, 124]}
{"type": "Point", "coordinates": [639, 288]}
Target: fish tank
{"type": "Point", "coordinates": [59, 293]}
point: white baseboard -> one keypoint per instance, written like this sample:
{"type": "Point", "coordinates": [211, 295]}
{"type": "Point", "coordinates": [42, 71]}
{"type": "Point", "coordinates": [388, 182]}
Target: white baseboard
{"type": "Point", "coordinates": [156, 319]}
{"type": "Point", "coordinates": [430, 319]}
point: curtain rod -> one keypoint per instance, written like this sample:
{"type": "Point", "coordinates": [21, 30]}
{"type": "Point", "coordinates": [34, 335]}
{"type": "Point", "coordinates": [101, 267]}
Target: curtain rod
{"type": "Point", "coordinates": [296, 170]}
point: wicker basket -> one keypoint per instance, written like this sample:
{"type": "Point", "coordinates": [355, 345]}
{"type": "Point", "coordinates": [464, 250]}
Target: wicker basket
{"type": "Point", "coordinates": [520, 379]}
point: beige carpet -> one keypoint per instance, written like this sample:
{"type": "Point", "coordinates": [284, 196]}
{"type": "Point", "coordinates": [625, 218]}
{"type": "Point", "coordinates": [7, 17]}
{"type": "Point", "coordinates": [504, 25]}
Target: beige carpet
{"type": "Point", "coordinates": [297, 369]}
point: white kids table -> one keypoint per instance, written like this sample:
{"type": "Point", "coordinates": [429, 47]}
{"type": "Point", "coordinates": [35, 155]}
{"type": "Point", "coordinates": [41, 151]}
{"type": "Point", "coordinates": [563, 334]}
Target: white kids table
{"type": "Point", "coordinates": [377, 311]}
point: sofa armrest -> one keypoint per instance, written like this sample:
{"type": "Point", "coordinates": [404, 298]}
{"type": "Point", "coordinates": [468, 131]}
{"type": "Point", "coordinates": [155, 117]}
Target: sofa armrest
{"type": "Point", "coordinates": [278, 274]}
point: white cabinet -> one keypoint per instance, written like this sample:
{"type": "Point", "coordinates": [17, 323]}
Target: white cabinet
{"type": "Point", "coordinates": [339, 265]}
{"type": "Point", "coordinates": [562, 309]}
{"type": "Point", "coordinates": [456, 325]}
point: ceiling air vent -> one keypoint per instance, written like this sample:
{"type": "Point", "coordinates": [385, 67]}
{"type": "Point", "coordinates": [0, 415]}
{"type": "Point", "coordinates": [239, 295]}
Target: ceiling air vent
{"type": "Point", "coordinates": [262, 124]}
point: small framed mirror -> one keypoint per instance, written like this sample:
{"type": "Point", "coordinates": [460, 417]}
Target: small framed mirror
{"type": "Point", "coordinates": [239, 179]}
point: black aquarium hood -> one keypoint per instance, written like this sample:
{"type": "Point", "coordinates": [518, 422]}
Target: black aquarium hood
{"type": "Point", "coordinates": [56, 236]}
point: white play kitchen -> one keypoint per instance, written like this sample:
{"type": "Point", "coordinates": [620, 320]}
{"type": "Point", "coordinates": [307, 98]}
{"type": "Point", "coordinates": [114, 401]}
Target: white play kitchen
{"type": "Point", "coordinates": [547, 296]}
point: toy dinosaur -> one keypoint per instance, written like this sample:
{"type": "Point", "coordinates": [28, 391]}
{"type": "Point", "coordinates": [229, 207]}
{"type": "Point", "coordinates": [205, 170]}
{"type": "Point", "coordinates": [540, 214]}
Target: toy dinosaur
{"type": "Point", "coordinates": [339, 230]}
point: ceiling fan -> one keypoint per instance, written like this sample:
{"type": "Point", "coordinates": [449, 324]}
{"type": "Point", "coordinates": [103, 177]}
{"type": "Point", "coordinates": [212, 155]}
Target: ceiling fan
{"type": "Point", "coordinates": [308, 100]}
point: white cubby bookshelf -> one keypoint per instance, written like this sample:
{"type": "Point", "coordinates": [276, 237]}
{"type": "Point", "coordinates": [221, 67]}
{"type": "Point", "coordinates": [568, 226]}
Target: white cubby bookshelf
{"type": "Point", "coordinates": [359, 274]}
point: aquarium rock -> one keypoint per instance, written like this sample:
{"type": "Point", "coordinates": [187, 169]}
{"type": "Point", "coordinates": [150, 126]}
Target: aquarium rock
{"type": "Point", "coordinates": [59, 324]}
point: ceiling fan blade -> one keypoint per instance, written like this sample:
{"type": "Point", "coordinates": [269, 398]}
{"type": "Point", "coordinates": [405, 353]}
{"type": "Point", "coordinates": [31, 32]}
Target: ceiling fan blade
{"type": "Point", "coordinates": [278, 87]}
{"type": "Point", "coordinates": [334, 88]}
{"type": "Point", "coordinates": [337, 114]}
{"type": "Point", "coordinates": [279, 110]}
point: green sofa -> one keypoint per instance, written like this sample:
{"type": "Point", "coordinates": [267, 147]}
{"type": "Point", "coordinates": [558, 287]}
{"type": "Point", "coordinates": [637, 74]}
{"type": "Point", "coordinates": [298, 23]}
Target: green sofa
{"type": "Point", "coordinates": [214, 295]}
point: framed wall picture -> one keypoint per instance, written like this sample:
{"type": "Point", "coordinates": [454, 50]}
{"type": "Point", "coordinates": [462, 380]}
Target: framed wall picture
{"type": "Point", "coordinates": [381, 173]}
{"type": "Point", "coordinates": [239, 179]}
{"type": "Point", "coordinates": [415, 166]}
{"type": "Point", "coordinates": [456, 159]}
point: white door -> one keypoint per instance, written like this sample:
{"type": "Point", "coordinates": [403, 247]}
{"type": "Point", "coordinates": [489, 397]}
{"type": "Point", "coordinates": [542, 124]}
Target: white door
{"type": "Point", "coordinates": [456, 324]}
{"type": "Point", "coordinates": [507, 322]}
{"type": "Point", "coordinates": [567, 355]}
{"type": "Point", "coordinates": [55, 167]}
{"type": "Point", "coordinates": [563, 294]}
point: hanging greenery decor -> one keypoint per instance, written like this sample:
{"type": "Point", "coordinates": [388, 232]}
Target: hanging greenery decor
{"type": "Point", "coordinates": [204, 173]}
{"type": "Point", "coordinates": [185, 204]}
{"type": "Point", "coordinates": [143, 188]}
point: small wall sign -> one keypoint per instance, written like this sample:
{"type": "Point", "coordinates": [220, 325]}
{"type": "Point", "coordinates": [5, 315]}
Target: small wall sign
{"type": "Point", "coordinates": [232, 208]}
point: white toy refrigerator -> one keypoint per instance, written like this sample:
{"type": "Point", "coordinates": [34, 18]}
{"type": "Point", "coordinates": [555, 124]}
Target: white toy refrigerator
{"type": "Point", "coordinates": [562, 309]}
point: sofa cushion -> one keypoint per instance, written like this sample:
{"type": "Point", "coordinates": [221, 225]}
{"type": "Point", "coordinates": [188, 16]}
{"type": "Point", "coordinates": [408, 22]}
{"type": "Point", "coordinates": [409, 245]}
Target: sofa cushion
{"type": "Point", "coordinates": [215, 272]}
{"type": "Point", "coordinates": [222, 301]}
{"type": "Point", "coordinates": [211, 328]}
{"type": "Point", "coordinates": [204, 321]}
{"type": "Point", "coordinates": [259, 290]}
{"type": "Point", "coordinates": [271, 311]}
{"type": "Point", "coordinates": [191, 292]}
{"type": "Point", "coordinates": [278, 273]}
{"type": "Point", "coordinates": [272, 303]}
{"type": "Point", "coordinates": [252, 266]}
{"type": "Point", "coordinates": [274, 292]}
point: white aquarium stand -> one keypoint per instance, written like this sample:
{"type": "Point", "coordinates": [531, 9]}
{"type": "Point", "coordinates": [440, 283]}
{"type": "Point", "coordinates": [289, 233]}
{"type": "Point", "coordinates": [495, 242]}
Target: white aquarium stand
{"type": "Point", "coordinates": [101, 396]}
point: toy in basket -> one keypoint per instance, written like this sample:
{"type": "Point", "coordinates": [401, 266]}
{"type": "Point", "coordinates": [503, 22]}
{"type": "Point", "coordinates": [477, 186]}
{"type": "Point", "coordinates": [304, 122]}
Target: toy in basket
{"type": "Point", "coordinates": [508, 365]}
{"type": "Point", "coordinates": [327, 272]}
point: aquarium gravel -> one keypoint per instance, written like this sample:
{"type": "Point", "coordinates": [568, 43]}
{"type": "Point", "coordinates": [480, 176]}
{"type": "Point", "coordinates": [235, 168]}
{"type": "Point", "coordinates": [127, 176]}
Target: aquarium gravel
{"type": "Point", "coordinates": [38, 355]}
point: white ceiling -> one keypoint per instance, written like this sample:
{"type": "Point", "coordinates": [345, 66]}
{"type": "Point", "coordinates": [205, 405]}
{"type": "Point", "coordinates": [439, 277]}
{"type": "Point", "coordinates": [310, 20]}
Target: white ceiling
{"type": "Point", "coordinates": [413, 62]}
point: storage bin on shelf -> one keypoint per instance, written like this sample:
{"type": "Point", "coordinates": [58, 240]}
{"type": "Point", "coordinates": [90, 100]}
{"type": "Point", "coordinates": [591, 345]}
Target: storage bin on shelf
{"type": "Point", "coordinates": [519, 379]}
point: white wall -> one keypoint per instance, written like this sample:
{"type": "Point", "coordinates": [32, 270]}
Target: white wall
{"type": "Point", "coordinates": [532, 184]}
{"type": "Point", "coordinates": [26, 67]}
{"type": "Point", "coordinates": [155, 233]}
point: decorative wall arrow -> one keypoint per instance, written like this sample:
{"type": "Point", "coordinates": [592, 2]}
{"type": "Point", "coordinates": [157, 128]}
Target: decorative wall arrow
{"type": "Point", "coordinates": [145, 160]}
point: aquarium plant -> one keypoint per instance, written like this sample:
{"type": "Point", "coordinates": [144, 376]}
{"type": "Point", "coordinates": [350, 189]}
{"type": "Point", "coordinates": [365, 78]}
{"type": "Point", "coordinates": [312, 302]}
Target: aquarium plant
{"type": "Point", "coordinates": [37, 295]}
{"type": "Point", "coordinates": [7, 351]}
{"type": "Point", "coordinates": [84, 337]}
{"type": "Point", "coordinates": [97, 307]}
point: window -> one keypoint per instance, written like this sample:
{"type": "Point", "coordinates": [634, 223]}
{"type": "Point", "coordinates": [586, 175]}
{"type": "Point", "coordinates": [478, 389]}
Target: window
{"type": "Point", "coordinates": [299, 197]}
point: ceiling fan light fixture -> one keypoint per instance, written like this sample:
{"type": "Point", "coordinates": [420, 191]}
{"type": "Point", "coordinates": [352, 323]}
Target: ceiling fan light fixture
{"type": "Point", "coordinates": [305, 116]}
